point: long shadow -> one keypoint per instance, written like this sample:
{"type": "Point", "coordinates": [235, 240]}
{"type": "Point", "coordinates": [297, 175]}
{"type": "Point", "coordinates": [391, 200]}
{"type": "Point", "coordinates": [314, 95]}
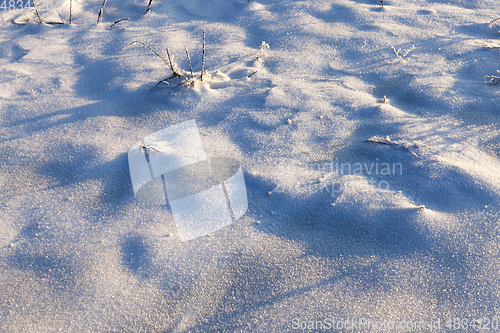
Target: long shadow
{"type": "Point", "coordinates": [71, 165]}
{"type": "Point", "coordinates": [492, 146]}
{"type": "Point", "coordinates": [136, 255]}
{"type": "Point", "coordinates": [60, 270]}
{"type": "Point", "coordinates": [253, 284]}
{"type": "Point", "coordinates": [343, 231]}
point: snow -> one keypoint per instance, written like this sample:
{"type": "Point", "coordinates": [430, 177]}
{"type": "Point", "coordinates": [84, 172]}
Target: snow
{"type": "Point", "coordinates": [372, 178]}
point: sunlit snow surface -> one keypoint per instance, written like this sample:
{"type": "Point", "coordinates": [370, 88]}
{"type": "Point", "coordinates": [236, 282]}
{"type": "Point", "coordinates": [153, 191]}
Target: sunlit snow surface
{"type": "Point", "coordinates": [336, 180]}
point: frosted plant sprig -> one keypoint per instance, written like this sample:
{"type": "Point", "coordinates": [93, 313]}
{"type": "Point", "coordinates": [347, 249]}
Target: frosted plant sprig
{"type": "Point", "coordinates": [401, 54]}
{"type": "Point", "coordinates": [493, 26]}
{"type": "Point", "coordinates": [148, 149]}
{"type": "Point", "coordinates": [262, 50]}
{"type": "Point", "coordinates": [493, 79]}
{"type": "Point", "coordinates": [188, 79]}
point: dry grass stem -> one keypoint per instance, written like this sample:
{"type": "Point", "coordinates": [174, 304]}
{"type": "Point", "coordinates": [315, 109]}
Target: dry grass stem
{"type": "Point", "coordinates": [493, 79]}
{"type": "Point", "coordinates": [36, 11]}
{"type": "Point", "coordinates": [99, 16]}
{"type": "Point", "coordinates": [493, 26]}
{"type": "Point", "coordinates": [189, 61]}
{"type": "Point", "coordinates": [149, 6]}
{"type": "Point", "coordinates": [123, 19]}
{"type": "Point", "coordinates": [203, 57]}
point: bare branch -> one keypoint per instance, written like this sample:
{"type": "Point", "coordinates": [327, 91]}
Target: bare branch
{"type": "Point", "coordinates": [54, 4]}
{"type": "Point", "coordinates": [36, 11]}
{"type": "Point", "coordinates": [101, 11]}
{"type": "Point", "coordinates": [149, 6]}
{"type": "Point", "coordinates": [148, 148]}
{"type": "Point", "coordinates": [384, 141]}
{"type": "Point", "coordinates": [171, 64]}
{"type": "Point", "coordinates": [149, 47]}
{"type": "Point", "coordinates": [203, 57]}
{"type": "Point", "coordinates": [189, 61]}
{"type": "Point", "coordinates": [123, 19]}
{"type": "Point", "coordinates": [492, 25]}
{"type": "Point", "coordinates": [494, 79]}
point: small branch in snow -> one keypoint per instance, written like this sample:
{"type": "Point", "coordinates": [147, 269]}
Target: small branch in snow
{"type": "Point", "coordinates": [493, 79]}
{"type": "Point", "coordinates": [203, 57]}
{"type": "Point", "coordinates": [54, 5]}
{"type": "Point", "coordinates": [148, 148]}
{"type": "Point", "coordinates": [171, 65]}
{"type": "Point", "coordinates": [493, 26]}
{"type": "Point", "coordinates": [187, 80]}
{"type": "Point", "coordinates": [36, 11]}
{"type": "Point", "coordinates": [164, 81]}
{"type": "Point", "coordinates": [117, 21]}
{"type": "Point", "coordinates": [384, 141]}
{"type": "Point", "coordinates": [491, 46]}
{"type": "Point", "coordinates": [262, 52]}
{"type": "Point", "coordinates": [149, 47]}
{"type": "Point", "coordinates": [387, 141]}
{"type": "Point", "coordinates": [401, 54]}
{"type": "Point", "coordinates": [149, 7]}
{"type": "Point", "coordinates": [252, 74]}
{"type": "Point", "coordinates": [99, 16]}
{"type": "Point", "coordinates": [19, 23]}
{"type": "Point", "coordinates": [189, 61]}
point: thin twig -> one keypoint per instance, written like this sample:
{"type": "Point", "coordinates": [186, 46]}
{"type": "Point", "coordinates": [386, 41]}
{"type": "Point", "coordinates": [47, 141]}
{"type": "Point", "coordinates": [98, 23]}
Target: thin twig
{"type": "Point", "coordinates": [27, 20]}
{"type": "Point", "coordinates": [123, 19]}
{"type": "Point", "coordinates": [149, 6]}
{"type": "Point", "coordinates": [70, 6]}
{"type": "Point", "coordinates": [169, 63]}
{"type": "Point", "coordinates": [203, 57]}
{"type": "Point", "coordinates": [494, 79]}
{"type": "Point", "coordinates": [54, 4]}
{"type": "Point", "coordinates": [100, 11]}
{"type": "Point", "coordinates": [36, 11]}
{"type": "Point", "coordinates": [172, 64]}
{"type": "Point", "coordinates": [148, 148]}
{"type": "Point", "coordinates": [164, 80]}
{"type": "Point", "coordinates": [491, 24]}
{"type": "Point", "coordinates": [189, 61]}
{"type": "Point", "coordinates": [384, 141]}
{"type": "Point", "coordinates": [252, 74]}
{"type": "Point", "coordinates": [404, 52]}
{"type": "Point", "coordinates": [149, 47]}
{"type": "Point", "coordinates": [491, 46]}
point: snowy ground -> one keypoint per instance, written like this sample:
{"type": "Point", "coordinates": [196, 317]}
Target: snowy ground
{"type": "Point", "coordinates": [341, 141]}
